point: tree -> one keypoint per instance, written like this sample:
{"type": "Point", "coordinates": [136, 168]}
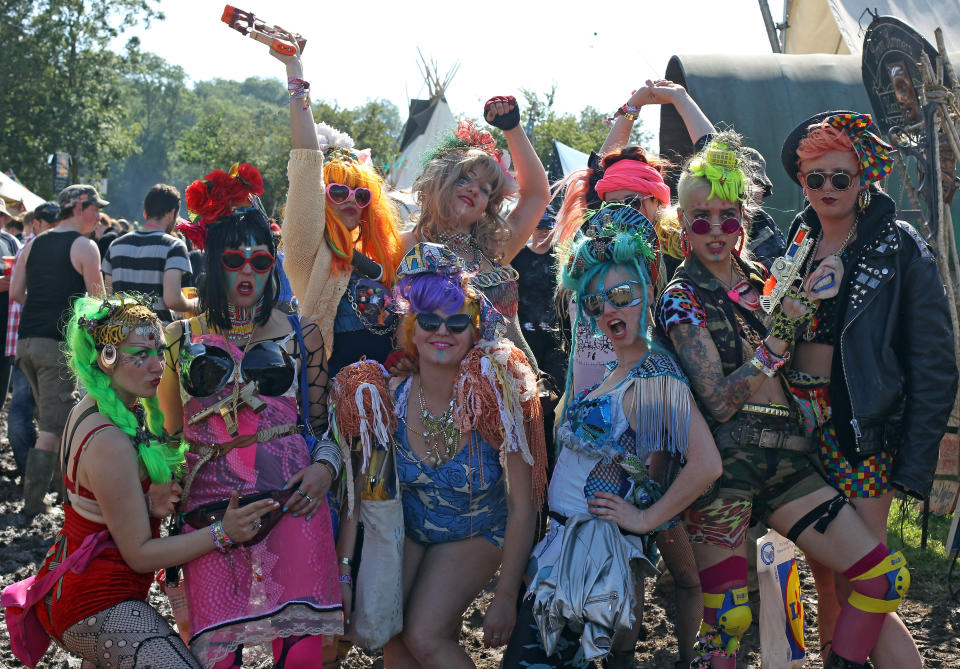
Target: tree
{"type": "Point", "coordinates": [61, 84]}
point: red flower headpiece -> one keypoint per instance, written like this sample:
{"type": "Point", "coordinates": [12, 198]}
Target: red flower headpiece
{"type": "Point", "coordinates": [216, 196]}
{"type": "Point", "coordinates": [465, 136]}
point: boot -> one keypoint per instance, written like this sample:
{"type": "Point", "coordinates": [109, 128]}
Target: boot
{"type": "Point", "coordinates": [36, 480]}
{"type": "Point", "coordinates": [834, 661]}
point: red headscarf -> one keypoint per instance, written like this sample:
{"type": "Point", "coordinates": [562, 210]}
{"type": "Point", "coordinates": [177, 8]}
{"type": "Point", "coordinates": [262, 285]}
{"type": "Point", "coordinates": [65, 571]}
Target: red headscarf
{"type": "Point", "coordinates": [634, 175]}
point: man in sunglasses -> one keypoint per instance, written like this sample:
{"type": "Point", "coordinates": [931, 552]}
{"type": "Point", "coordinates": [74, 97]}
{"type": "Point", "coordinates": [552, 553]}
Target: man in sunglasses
{"type": "Point", "coordinates": [151, 260]}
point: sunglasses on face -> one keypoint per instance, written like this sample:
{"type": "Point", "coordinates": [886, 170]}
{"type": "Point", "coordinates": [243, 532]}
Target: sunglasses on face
{"type": "Point", "coordinates": [260, 261]}
{"type": "Point", "coordinates": [701, 226]}
{"type": "Point", "coordinates": [635, 202]}
{"type": "Point", "coordinates": [456, 323]}
{"type": "Point", "coordinates": [339, 193]}
{"type": "Point", "coordinates": [840, 180]}
{"type": "Point", "coordinates": [619, 296]}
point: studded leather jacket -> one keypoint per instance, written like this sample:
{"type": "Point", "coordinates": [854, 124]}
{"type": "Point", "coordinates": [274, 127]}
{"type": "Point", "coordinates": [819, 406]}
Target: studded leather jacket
{"type": "Point", "coordinates": [893, 378]}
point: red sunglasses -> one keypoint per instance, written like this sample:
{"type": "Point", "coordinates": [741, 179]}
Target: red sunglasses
{"type": "Point", "coordinates": [260, 261]}
{"type": "Point", "coordinates": [339, 193]}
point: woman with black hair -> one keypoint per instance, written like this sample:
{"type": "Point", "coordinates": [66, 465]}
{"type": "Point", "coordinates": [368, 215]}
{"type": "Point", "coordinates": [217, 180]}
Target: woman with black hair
{"type": "Point", "coordinates": [234, 391]}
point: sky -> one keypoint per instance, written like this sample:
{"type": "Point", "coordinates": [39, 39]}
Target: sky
{"type": "Point", "coordinates": [595, 52]}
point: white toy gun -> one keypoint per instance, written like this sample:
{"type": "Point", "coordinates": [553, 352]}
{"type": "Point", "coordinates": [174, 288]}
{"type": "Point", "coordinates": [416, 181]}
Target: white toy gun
{"type": "Point", "coordinates": [786, 270]}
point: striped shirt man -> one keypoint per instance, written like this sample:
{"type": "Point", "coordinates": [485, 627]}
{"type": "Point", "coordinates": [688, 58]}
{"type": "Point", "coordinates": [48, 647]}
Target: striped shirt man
{"type": "Point", "coordinates": [137, 261]}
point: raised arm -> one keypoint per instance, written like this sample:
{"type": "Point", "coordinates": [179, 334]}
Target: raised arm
{"type": "Point", "coordinates": [659, 92]}
{"type": "Point", "coordinates": [534, 192]}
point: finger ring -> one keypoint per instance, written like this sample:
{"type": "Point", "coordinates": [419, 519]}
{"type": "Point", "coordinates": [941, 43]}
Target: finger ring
{"type": "Point", "coordinates": [307, 497]}
{"type": "Point", "coordinates": [300, 492]}
{"type": "Point", "coordinates": [256, 525]}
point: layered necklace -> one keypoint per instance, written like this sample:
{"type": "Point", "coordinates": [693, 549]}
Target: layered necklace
{"type": "Point", "coordinates": [242, 320]}
{"type": "Point", "coordinates": [481, 279]}
{"type": "Point", "coordinates": [843, 246]}
{"type": "Point", "coordinates": [440, 433]}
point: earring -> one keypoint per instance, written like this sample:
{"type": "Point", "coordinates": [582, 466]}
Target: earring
{"type": "Point", "coordinates": [740, 239]}
{"type": "Point", "coordinates": [684, 244]}
{"type": "Point", "coordinates": [863, 200]}
{"type": "Point", "coordinates": [108, 356]}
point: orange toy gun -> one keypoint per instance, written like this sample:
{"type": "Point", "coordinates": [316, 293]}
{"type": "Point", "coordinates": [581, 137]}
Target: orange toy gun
{"type": "Point", "coordinates": [786, 270]}
{"type": "Point", "coordinates": [248, 24]}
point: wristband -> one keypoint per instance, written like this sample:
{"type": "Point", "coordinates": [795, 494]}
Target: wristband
{"type": "Point", "coordinates": [299, 90]}
{"type": "Point", "coordinates": [346, 561]}
{"type": "Point", "coordinates": [220, 537]}
{"type": "Point", "coordinates": [346, 578]}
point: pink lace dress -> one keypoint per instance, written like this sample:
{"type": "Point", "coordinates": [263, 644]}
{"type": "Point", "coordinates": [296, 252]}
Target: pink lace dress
{"type": "Point", "coordinates": [285, 585]}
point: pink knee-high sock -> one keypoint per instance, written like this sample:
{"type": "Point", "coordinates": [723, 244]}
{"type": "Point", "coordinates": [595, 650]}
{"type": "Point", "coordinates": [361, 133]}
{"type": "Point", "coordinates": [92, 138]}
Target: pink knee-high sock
{"type": "Point", "coordinates": [301, 652]}
{"type": "Point", "coordinates": [730, 573]}
{"type": "Point", "coordinates": [857, 631]}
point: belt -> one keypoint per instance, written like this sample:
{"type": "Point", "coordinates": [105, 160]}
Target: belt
{"type": "Point", "coordinates": [562, 519]}
{"type": "Point", "coordinates": [767, 410]}
{"type": "Point", "coordinates": [747, 435]}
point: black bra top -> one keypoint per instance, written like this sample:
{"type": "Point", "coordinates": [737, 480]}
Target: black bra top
{"type": "Point", "coordinates": [205, 369]}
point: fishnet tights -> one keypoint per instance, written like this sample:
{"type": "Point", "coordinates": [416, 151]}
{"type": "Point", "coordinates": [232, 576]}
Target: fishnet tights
{"type": "Point", "coordinates": [318, 378]}
{"type": "Point", "coordinates": [129, 635]}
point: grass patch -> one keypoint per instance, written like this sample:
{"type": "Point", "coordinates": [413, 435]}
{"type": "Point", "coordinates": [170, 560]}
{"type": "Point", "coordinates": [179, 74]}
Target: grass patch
{"type": "Point", "coordinates": [904, 527]}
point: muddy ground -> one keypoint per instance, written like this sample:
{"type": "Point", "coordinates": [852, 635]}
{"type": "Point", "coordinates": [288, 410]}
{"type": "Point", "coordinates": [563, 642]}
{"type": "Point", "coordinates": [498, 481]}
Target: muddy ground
{"type": "Point", "coordinates": [930, 614]}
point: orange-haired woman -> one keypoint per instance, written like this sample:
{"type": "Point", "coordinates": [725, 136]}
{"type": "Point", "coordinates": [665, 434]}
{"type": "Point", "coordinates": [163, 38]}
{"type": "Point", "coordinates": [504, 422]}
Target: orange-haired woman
{"type": "Point", "coordinates": [343, 276]}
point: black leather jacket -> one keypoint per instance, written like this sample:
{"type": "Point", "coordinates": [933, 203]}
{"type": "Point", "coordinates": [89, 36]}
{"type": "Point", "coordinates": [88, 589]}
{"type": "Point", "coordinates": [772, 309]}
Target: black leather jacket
{"type": "Point", "coordinates": [894, 377]}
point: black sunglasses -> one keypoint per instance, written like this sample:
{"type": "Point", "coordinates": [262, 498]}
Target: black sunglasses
{"type": "Point", "coordinates": [455, 324]}
{"type": "Point", "coordinates": [840, 180]}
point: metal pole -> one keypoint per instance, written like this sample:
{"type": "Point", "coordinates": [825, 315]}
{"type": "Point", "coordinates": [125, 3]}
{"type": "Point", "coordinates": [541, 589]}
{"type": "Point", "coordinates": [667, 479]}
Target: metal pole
{"type": "Point", "coordinates": [770, 26]}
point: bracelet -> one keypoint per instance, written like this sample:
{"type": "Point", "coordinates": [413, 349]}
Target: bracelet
{"type": "Point", "coordinates": [346, 578]}
{"type": "Point", "coordinates": [767, 361]}
{"type": "Point", "coordinates": [627, 111]}
{"type": "Point", "coordinates": [220, 537]}
{"type": "Point", "coordinates": [299, 90]}
{"type": "Point", "coordinates": [327, 452]}
{"type": "Point", "coordinates": [346, 561]}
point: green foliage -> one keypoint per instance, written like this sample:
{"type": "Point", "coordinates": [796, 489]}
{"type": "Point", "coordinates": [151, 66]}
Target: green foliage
{"type": "Point", "coordinates": [61, 84]}
{"type": "Point", "coordinates": [930, 565]}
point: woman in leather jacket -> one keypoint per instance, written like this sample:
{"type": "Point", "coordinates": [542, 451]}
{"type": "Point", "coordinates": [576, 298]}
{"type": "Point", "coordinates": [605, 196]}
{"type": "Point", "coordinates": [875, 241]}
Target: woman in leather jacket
{"type": "Point", "coordinates": [734, 360]}
{"type": "Point", "coordinates": [874, 372]}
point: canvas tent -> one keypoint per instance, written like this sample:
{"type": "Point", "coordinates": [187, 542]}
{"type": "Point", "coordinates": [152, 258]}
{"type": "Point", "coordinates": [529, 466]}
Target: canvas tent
{"type": "Point", "coordinates": [427, 121]}
{"type": "Point", "coordinates": [565, 160]}
{"type": "Point", "coordinates": [14, 195]}
{"type": "Point", "coordinates": [837, 26]}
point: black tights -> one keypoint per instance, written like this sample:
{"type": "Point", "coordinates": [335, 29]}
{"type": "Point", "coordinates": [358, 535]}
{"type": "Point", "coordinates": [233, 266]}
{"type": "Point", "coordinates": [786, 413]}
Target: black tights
{"type": "Point", "coordinates": [129, 635]}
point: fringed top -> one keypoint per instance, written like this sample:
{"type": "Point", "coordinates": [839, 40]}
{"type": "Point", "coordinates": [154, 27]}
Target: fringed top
{"type": "Point", "coordinates": [495, 395]}
{"type": "Point", "coordinates": [661, 407]}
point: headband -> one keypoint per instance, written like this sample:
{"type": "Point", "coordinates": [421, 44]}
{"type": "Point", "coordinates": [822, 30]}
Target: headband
{"type": "Point", "coordinates": [872, 152]}
{"type": "Point", "coordinates": [430, 258]}
{"type": "Point", "coordinates": [634, 175]}
{"type": "Point", "coordinates": [117, 320]}
{"type": "Point", "coordinates": [467, 136]}
{"type": "Point", "coordinates": [721, 166]}
{"type": "Point", "coordinates": [218, 195]}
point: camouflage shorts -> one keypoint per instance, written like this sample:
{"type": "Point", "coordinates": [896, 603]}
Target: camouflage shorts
{"type": "Point", "coordinates": [755, 483]}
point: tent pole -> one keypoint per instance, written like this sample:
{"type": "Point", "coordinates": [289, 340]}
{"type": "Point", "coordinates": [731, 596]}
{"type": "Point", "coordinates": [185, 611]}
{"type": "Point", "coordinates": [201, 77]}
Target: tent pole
{"type": "Point", "coordinates": [770, 26]}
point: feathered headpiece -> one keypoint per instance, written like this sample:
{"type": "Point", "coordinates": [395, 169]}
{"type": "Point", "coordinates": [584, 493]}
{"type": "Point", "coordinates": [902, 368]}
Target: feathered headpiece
{"type": "Point", "coordinates": [430, 258]}
{"type": "Point", "coordinates": [217, 196]}
{"type": "Point", "coordinates": [601, 226]}
{"type": "Point", "coordinates": [338, 145]}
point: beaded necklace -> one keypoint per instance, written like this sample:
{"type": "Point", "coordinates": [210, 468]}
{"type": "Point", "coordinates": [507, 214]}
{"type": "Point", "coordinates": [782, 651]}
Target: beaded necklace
{"type": "Point", "coordinates": [242, 321]}
{"type": "Point", "coordinates": [440, 433]}
{"type": "Point", "coordinates": [481, 279]}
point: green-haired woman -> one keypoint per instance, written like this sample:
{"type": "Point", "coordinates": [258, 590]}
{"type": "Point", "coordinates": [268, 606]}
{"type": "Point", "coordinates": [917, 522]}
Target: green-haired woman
{"type": "Point", "coordinates": [118, 476]}
{"type": "Point", "coordinates": [735, 357]}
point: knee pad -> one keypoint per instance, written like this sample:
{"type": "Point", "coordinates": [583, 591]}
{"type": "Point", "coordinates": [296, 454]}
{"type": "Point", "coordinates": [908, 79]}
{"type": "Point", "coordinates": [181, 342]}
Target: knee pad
{"type": "Point", "coordinates": [733, 615]}
{"type": "Point", "coordinates": [894, 568]}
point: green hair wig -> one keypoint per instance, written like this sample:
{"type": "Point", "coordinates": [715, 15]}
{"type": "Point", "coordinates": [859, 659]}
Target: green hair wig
{"type": "Point", "coordinates": [720, 164]}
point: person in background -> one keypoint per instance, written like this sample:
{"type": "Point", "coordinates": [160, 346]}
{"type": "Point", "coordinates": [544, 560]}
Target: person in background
{"type": "Point", "coordinates": [124, 225]}
{"type": "Point", "coordinates": [151, 260]}
{"type": "Point", "coordinates": [9, 246]}
{"type": "Point", "coordinates": [58, 266]}
{"type": "Point", "coordinates": [5, 215]}
{"type": "Point", "coordinates": [21, 432]}
{"type": "Point", "coordinates": [766, 240]}
{"type": "Point", "coordinates": [15, 226]}
{"type": "Point", "coordinates": [105, 232]}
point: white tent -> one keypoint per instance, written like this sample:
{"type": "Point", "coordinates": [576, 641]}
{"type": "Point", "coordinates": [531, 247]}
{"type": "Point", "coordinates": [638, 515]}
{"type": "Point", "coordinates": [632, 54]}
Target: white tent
{"type": "Point", "coordinates": [17, 198]}
{"type": "Point", "coordinates": [837, 26]}
{"type": "Point", "coordinates": [570, 159]}
{"type": "Point", "coordinates": [427, 122]}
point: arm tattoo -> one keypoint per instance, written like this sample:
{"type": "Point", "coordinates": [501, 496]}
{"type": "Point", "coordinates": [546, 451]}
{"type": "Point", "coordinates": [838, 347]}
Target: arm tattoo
{"type": "Point", "coordinates": [721, 396]}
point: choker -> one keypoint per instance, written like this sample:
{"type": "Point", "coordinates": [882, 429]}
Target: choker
{"type": "Point", "coordinates": [242, 321]}
{"type": "Point", "coordinates": [457, 238]}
